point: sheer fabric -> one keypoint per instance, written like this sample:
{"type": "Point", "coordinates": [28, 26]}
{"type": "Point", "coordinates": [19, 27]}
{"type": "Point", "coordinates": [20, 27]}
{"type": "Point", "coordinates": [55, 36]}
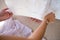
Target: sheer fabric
{"type": "Point", "coordinates": [34, 8]}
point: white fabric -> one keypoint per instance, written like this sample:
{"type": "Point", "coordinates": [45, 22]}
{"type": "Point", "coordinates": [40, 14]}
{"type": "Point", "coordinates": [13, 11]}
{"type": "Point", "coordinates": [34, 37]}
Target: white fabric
{"type": "Point", "coordinates": [16, 28]}
{"type": "Point", "coordinates": [1, 24]}
{"type": "Point", "coordinates": [55, 5]}
{"type": "Point", "coordinates": [34, 8]}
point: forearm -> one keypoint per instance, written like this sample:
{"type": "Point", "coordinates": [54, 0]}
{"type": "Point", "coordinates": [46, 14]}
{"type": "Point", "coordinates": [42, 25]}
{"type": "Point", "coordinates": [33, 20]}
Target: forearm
{"type": "Point", "coordinates": [39, 32]}
{"type": "Point", "coordinates": [5, 37]}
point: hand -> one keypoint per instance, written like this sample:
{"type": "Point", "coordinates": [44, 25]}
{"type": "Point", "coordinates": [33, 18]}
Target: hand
{"type": "Point", "coordinates": [50, 17]}
{"type": "Point", "coordinates": [5, 14]}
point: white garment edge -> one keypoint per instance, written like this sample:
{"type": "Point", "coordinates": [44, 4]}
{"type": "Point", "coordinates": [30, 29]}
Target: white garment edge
{"type": "Point", "coordinates": [44, 13]}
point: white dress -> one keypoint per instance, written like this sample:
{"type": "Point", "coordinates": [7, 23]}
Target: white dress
{"type": "Point", "coordinates": [55, 5]}
{"type": "Point", "coordinates": [15, 28]}
{"type": "Point", "coordinates": [34, 8]}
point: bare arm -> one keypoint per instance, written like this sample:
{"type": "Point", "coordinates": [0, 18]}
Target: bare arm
{"type": "Point", "coordinates": [5, 37]}
{"type": "Point", "coordinates": [37, 34]}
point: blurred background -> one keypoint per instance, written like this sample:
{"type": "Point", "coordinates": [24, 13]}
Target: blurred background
{"type": "Point", "coordinates": [52, 32]}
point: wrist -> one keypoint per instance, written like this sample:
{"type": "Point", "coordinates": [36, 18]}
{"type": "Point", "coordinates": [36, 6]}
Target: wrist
{"type": "Point", "coordinates": [45, 21]}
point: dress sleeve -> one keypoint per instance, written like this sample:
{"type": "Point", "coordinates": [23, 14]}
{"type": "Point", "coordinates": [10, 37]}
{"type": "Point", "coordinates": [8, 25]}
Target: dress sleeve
{"type": "Point", "coordinates": [49, 7]}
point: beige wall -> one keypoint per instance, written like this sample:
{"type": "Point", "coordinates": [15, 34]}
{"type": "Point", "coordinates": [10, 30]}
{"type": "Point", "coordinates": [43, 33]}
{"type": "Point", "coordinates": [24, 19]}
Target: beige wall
{"type": "Point", "coordinates": [53, 30]}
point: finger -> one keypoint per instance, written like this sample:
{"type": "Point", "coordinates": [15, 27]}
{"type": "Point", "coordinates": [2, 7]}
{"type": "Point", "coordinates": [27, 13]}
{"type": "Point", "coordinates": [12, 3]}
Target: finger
{"type": "Point", "coordinates": [52, 20]}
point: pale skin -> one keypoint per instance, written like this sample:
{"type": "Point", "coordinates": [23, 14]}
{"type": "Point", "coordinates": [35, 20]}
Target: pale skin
{"type": "Point", "coordinates": [37, 34]}
{"type": "Point", "coordinates": [5, 15]}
